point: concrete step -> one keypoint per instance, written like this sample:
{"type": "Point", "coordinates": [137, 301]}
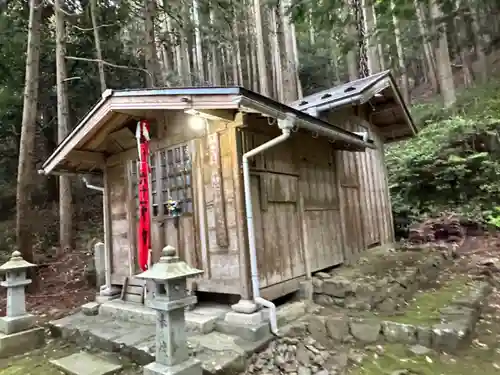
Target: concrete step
{"type": "Point", "coordinates": [219, 353]}
{"type": "Point", "coordinates": [201, 320]}
{"type": "Point", "coordinates": [83, 363]}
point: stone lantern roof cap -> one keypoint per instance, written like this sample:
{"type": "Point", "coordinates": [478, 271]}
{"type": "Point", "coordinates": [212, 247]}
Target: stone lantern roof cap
{"type": "Point", "coordinates": [16, 262]}
{"type": "Point", "coordinates": [169, 267]}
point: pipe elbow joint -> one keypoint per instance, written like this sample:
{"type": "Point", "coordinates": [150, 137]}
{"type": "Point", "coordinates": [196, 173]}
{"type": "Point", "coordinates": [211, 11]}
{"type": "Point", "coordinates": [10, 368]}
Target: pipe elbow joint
{"type": "Point", "coordinates": [288, 123]}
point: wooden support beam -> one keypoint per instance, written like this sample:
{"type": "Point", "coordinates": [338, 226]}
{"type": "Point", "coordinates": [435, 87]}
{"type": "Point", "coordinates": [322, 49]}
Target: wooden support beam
{"type": "Point", "coordinates": [79, 156]}
{"type": "Point", "coordinates": [227, 115]}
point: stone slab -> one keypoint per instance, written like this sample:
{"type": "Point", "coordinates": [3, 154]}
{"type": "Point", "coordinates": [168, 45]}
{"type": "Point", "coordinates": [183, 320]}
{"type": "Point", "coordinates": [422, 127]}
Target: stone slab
{"type": "Point", "coordinates": [201, 319]}
{"type": "Point", "coordinates": [237, 318]}
{"type": "Point", "coordinates": [199, 322]}
{"type": "Point", "coordinates": [91, 308]}
{"type": "Point", "coordinates": [83, 363]}
{"type": "Point", "coordinates": [21, 342]}
{"type": "Point", "coordinates": [246, 332]}
{"type": "Point", "coordinates": [190, 367]}
{"type": "Point", "coordinates": [15, 324]}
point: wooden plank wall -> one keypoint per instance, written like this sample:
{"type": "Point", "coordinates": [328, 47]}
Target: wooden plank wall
{"type": "Point", "coordinates": [210, 238]}
{"type": "Point", "coordinates": [120, 241]}
{"type": "Point", "coordinates": [322, 224]}
{"type": "Point", "coordinates": [368, 172]}
{"type": "Point", "coordinates": [275, 198]}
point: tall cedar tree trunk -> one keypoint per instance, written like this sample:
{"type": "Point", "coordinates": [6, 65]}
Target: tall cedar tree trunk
{"type": "Point", "coordinates": [199, 51]}
{"type": "Point", "coordinates": [401, 59]}
{"type": "Point", "coordinates": [65, 197]}
{"type": "Point", "coordinates": [151, 58]}
{"type": "Point", "coordinates": [428, 51]}
{"type": "Point", "coordinates": [97, 43]}
{"type": "Point", "coordinates": [479, 44]}
{"type": "Point", "coordinates": [445, 74]}
{"type": "Point", "coordinates": [370, 28]}
{"type": "Point", "coordinates": [463, 46]}
{"type": "Point", "coordinates": [26, 166]}
{"type": "Point", "coordinates": [264, 87]}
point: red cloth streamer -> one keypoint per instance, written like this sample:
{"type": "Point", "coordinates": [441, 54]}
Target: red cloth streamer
{"type": "Point", "coordinates": [144, 207]}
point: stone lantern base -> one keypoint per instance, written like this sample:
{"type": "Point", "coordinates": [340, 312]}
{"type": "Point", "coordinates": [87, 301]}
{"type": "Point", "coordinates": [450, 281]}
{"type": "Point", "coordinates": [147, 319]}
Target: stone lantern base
{"type": "Point", "coordinates": [15, 324]}
{"type": "Point", "coordinates": [190, 367]}
{"type": "Point", "coordinates": [22, 341]}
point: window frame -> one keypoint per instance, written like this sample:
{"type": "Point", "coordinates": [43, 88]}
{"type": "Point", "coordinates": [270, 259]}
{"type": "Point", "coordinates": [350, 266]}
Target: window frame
{"type": "Point", "coordinates": [171, 170]}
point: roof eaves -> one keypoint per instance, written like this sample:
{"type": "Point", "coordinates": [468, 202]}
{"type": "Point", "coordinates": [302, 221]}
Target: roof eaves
{"type": "Point", "coordinates": [104, 98]}
{"type": "Point", "coordinates": [401, 102]}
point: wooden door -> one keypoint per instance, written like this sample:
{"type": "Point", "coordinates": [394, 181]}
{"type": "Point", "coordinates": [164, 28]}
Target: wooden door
{"type": "Point", "coordinates": [171, 180]}
{"type": "Point", "coordinates": [351, 207]}
{"type": "Point", "coordinates": [320, 203]}
{"type": "Point", "coordinates": [276, 217]}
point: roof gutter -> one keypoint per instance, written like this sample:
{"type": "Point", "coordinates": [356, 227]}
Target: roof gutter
{"type": "Point", "coordinates": [316, 126]}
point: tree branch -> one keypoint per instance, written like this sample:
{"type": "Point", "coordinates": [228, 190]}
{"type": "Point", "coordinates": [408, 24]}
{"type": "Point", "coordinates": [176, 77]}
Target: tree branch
{"type": "Point", "coordinates": [109, 64]}
{"type": "Point", "coordinates": [97, 27]}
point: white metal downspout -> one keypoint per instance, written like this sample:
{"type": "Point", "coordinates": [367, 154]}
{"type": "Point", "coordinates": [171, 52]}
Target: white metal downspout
{"type": "Point", "coordinates": [107, 263]}
{"type": "Point", "coordinates": [286, 127]}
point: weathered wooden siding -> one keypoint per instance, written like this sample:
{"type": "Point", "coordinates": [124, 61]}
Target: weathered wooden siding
{"type": "Point", "coordinates": [209, 237]}
{"type": "Point", "coordinates": [363, 189]}
{"type": "Point", "coordinates": [275, 198]}
{"type": "Point", "coordinates": [320, 201]}
{"type": "Point", "coordinates": [120, 243]}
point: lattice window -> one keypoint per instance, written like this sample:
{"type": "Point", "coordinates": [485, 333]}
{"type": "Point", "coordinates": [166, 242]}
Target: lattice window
{"type": "Point", "coordinates": [176, 171]}
{"type": "Point", "coordinates": [170, 179]}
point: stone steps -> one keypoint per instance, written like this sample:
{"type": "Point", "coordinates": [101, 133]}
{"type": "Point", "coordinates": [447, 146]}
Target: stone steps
{"type": "Point", "coordinates": [129, 329]}
{"type": "Point", "coordinates": [218, 352]}
{"type": "Point", "coordinates": [201, 320]}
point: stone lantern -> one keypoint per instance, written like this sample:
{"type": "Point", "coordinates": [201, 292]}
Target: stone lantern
{"type": "Point", "coordinates": [15, 282]}
{"type": "Point", "coordinates": [17, 331]}
{"type": "Point", "coordinates": [169, 299]}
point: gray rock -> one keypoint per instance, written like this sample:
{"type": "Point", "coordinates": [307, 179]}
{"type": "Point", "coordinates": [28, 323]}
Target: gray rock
{"type": "Point", "coordinates": [337, 286]}
{"type": "Point", "coordinates": [322, 275]}
{"type": "Point", "coordinates": [398, 332]}
{"type": "Point", "coordinates": [355, 303]}
{"type": "Point", "coordinates": [302, 355]}
{"type": "Point", "coordinates": [388, 305]}
{"type": "Point", "coordinates": [90, 308]}
{"type": "Point", "coordinates": [340, 302]}
{"type": "Point", "coordinates": [317, 329]}
{"type": "Point", "coordinates": [340, 360]}
{"type": "Point", "coordinates": [367, 331]}
{"type": "Point", "coordinates": [355, 356]}
{"type": "Point", "coordinates": [448, 336]}
{"type": "Point", "coordinates": [364, 290]}
{"type": "Point", "coordinates": [323, 300]}
{"type": "Point", "coordinates": [337, 327]}
{"type": "Point", "coordinates": [303, 370]}
{"type": "Point", "coordinates": [317, 284]}
{"type": "Point", "coordinates": [424, 336]}
{"type": "Point", "coordinates": [419, 350]}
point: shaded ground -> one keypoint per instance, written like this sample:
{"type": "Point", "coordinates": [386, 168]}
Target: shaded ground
{"type": "Point", "coordinates": [37, 362]}
{"type": "Point", "coordinates": [483, 357]}
{"type": "Point", "coordinates": [61, 289]}
{"type": "Point", "coordinates": [478, 259]}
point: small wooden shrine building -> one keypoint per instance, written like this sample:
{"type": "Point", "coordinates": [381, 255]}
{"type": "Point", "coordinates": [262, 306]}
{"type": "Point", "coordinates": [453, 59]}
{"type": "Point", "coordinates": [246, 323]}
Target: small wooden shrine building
{"type": "Point", "coordinates": [319, 199]}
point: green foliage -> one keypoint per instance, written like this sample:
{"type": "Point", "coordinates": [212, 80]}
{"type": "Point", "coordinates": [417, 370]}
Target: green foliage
{"type": "Point", "coordinates": [454, 163]}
